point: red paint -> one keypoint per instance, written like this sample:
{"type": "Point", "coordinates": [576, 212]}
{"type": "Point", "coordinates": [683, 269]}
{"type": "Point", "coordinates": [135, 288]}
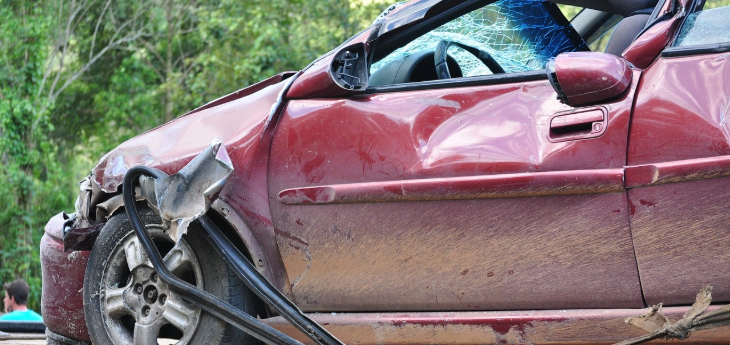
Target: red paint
{"type": "Point", "coordinates": [644, 50]}
{"type": "Point", "coordinates": [589, 77]}
{"type": "Point", "coordinates": [679, 160]}
{"type": "Point", "coordinates": [316, 81]}
{"type": "Point", "coordinates": [680, 237]}
{"type": "Point", "coordinates": [680, 114]}
{"type": "Point", "coordinates": [54, 227]}
{"type": "Point", "coordinates": [646, 203]}
{"type": "Point", "coordinates": [474, 187]}
{"type": "Point", "coordinates": [170, 146]}
{"type": "Point", "coordinates": [431, 147]}
{"type": "Point", "coordinates": [62, 302]}
{"type": "Point", "coordinates": [422, 135]}
{"type": "Point", "coordinates": [291, 237]}
{"type": "Point", "coordinates": [318, 195]}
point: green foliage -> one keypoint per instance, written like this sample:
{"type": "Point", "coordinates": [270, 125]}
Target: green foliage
{"type": "Point", "coordinates": [249, 43]}
{"type": "Point", "coordinates": [25, 152]}
{"type": "Point", "coordinates": [569, 11]}
{"type": "Point", "coordinates": [709, 4]}
{"type": "Point", "coordinates": [77, 78]}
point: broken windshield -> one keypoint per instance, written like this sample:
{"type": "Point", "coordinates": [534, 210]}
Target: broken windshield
{"type": "Point", "coordinates": [709, 26]}
{"type": "Point", "coordinates": [519, 35]}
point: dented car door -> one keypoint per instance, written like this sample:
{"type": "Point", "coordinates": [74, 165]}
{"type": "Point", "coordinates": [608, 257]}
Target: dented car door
{"type": "Point", "coordinates": [468, 193]}
{"type": "Point", "coordinates": [678, 163]}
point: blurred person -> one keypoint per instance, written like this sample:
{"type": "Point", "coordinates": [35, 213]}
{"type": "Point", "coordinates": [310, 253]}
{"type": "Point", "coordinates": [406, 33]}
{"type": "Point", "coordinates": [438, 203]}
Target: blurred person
{"type": "Point", "coordinates": [16, 299]}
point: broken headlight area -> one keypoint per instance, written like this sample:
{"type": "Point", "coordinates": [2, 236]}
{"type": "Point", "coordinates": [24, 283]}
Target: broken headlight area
{"type": "Point", "coordinates": [178, 198]}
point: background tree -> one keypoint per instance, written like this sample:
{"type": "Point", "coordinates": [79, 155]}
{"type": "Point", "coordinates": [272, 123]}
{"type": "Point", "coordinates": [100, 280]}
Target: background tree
{"type": "Point", "coordinates": [77, 77]}
{"type": "Point", "coordinates": [23, 41]}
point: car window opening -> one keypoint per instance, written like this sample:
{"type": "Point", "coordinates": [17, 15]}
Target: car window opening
{"type": "Point", "coordinates": [519, 36]}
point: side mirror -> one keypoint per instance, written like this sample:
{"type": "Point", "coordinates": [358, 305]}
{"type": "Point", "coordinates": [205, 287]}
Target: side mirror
{"type": "Point", "coordinates": [341, 74]}
{"type": "Point", "coordinates": [588, 77]}
{"type": "Point", "coordinates": [350, 68]}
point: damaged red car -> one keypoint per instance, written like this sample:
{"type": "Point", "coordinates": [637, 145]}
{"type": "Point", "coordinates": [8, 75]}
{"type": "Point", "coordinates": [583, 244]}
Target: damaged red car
{"type": "Point", "coordinates": [460, 172]}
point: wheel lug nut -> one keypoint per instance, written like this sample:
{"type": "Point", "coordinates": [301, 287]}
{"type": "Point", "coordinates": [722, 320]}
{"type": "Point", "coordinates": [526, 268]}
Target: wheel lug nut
{"type": "Point", "coordinates": [150, 294]}
{"type": "Point", "coordinates": [153, 276]}
{"type": "Point", "coordinates": [163, 299]}
{"type": "Point", "coordinates": [138, 288]}
{"type": "Point", "coordinates": [146, 311]}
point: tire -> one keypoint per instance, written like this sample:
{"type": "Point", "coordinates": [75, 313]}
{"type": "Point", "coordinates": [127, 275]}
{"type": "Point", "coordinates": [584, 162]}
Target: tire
{"type": "Point", "coordinates": [126, 303]}
{"type": "Point", "coordinates": [57, 339]}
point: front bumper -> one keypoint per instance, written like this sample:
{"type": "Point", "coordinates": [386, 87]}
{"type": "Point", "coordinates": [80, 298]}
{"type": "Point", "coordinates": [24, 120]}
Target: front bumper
{"type": "Point", "coordinates": [62, 303]}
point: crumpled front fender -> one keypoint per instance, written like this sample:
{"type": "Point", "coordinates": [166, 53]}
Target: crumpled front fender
{"type": "Point", "coordinates": [62, 302]}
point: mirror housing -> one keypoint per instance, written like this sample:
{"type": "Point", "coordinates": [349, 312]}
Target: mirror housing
{"type": "Point", "coordinates": [582, 78]}
{"type": "Point", "coordinates": [341, 74]}
{"type": "Point", "coordinates": [349, 68]}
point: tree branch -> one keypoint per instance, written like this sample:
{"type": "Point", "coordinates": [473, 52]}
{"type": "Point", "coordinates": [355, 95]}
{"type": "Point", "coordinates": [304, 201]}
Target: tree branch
{"type": "Point", "coordinates": [152, 50]}
{"type": "Point", "coordinates": [96, 29]}
{"type": "Point", "coordinates": [123, 34]}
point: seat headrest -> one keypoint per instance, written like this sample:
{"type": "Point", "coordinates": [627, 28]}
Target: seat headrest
{"type": "Point", "coordinates": [627, 7]}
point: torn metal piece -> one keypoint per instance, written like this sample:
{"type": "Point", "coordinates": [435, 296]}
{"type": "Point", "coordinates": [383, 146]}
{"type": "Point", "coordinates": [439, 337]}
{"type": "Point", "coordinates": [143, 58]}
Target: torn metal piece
{"type": "Point", "coordinates": [693, 320]}
{"type": "Point", "coordinates": [81, 216]}
{"type": "Point", "coordinates": [183, 197]}
{"type": "Point", "coordinates": [653, 321]}
{"type": "Point", "coordinates": [80, 231]}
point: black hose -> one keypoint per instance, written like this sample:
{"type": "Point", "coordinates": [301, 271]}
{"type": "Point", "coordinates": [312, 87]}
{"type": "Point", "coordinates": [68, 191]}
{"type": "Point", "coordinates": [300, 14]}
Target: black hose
{"type": "Point", "coordinates": [201, 298]}
{"type": "Point", "coordinates": [262, 288]}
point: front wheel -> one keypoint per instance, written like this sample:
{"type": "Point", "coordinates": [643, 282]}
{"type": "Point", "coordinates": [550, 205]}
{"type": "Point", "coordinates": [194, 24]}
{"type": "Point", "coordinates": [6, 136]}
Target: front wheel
{"type": "Point", "coordinates": [126, 303]}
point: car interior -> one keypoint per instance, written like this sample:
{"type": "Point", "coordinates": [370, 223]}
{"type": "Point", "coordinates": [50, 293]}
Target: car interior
{"type": "Point", "coordinates": [603, 25]}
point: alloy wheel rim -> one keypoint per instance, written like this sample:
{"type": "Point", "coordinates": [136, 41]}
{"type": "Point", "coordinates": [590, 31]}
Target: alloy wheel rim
{"type": "Point", "coordinates": [136, 306]}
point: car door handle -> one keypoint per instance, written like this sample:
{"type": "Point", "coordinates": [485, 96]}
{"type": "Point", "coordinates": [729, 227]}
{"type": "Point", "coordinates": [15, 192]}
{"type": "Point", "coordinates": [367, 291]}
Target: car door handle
{"type": "Point", "coordinates": [578, 125]}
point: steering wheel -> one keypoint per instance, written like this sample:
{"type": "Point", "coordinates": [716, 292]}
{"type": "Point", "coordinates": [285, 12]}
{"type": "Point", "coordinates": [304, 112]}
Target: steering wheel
{"type": "Point", "coordinates": [442, 69]}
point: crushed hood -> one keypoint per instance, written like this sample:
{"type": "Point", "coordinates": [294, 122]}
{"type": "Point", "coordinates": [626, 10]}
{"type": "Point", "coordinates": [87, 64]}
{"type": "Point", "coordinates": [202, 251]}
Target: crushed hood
{"type": "Point", "coordinates": [172, 145]}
